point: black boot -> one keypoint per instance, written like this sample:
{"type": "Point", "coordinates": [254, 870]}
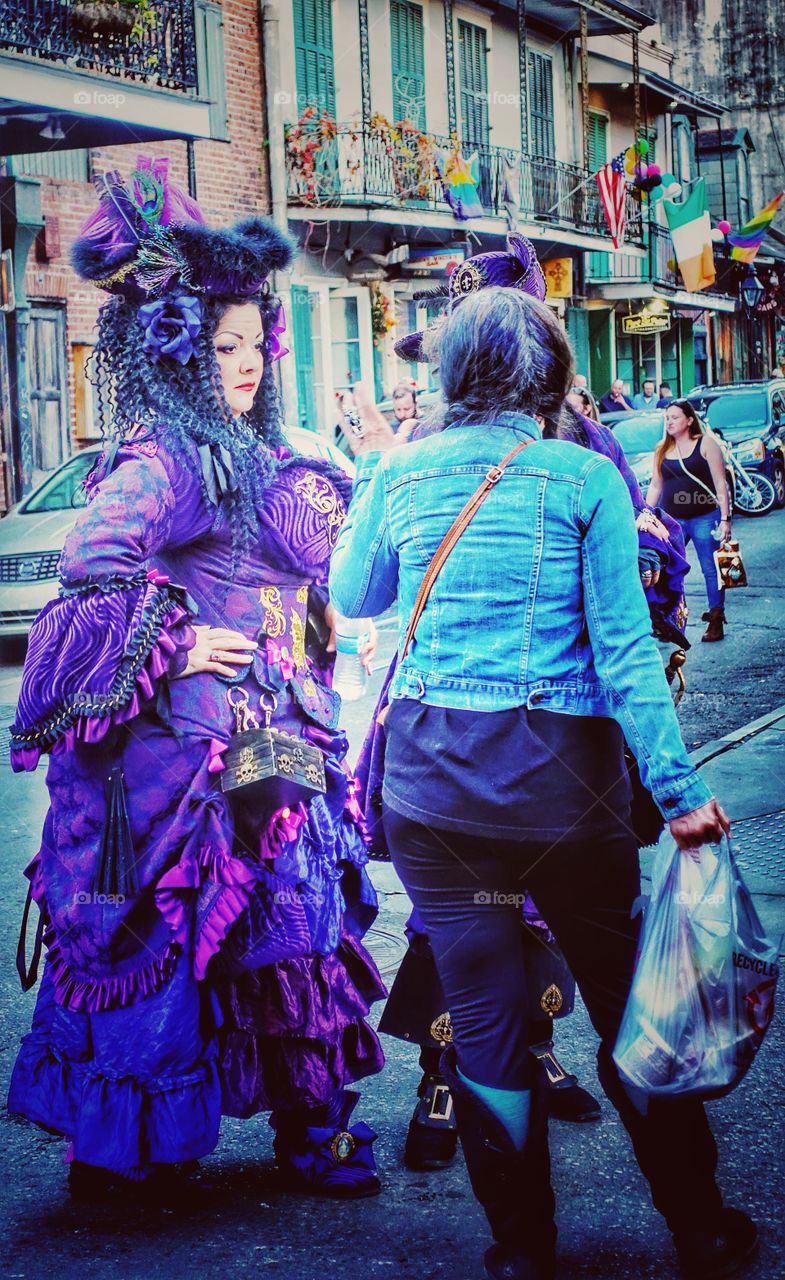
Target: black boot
{"type": "Point", "coordinates": [567, 1100]}
{"type": "Point", "coordinates": [715, 630]}
{"type": "Point", "coordinates": [432, 1139]}
{"type": "Point", "coordinates": [706, 617]}
{"type": "Point", "coordinates": [677, 1155]}
{"type": "Point", "coordinates": [513, 1187]}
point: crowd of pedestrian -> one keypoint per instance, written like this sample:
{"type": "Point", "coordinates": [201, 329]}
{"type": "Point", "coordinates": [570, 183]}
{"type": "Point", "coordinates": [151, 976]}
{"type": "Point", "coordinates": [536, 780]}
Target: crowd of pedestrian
{"type": "Point", "coordinates": [202, 881]}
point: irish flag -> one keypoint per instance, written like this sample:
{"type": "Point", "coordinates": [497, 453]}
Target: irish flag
{"type": "Point", "coordinates": [690, 228]}
{"type": "Point", "coordinates": [749, 238]}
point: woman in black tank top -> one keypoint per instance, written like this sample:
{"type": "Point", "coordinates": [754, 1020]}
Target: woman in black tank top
{"type": "Point", "coordinates": [689, 483]}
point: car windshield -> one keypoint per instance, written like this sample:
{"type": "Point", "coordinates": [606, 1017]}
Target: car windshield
{"type": "Point", "coordinates": [737, 414]}
{"type": "Point", "coordinates": [63, 489]}
{"type": "Point", "coordinates": [639, 433]}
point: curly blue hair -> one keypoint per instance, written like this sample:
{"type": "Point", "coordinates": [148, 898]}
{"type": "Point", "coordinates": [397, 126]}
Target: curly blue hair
{"type": "Point", "coordinates": [183, 405]}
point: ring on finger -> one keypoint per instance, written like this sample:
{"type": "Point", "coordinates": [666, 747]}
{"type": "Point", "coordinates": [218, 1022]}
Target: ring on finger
{"type": "Point", "coordinates": [216, 656]}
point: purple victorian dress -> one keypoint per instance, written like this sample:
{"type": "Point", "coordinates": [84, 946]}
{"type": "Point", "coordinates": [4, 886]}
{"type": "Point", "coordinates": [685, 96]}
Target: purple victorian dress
{"type": "Point", "coordinates": [203, 949]}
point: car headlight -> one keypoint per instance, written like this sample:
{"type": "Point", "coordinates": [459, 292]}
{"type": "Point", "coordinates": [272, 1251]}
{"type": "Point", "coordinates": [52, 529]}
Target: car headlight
{"type": "Point", "coordinates": [750, 451]}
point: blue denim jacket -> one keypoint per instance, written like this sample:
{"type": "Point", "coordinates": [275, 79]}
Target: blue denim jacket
{"type": "Point", "coordinates": [540, 602]}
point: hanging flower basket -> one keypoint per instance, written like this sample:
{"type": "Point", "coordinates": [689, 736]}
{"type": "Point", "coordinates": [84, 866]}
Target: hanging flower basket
{"type": "Point", "coordinates": [105, 17]}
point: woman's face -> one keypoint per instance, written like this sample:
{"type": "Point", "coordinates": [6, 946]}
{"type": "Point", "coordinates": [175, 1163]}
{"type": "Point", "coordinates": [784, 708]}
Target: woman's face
{"type": "Point", "coordinates": [576, 401]}
{"type": "Point", "coordinates": [676, 421]}
{"type": "Point", "coordinates": [238, 342]}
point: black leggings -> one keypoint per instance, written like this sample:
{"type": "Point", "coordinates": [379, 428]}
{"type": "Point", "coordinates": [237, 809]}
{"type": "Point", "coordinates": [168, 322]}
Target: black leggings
{"type": "Point", "coordinates": [468, 891]}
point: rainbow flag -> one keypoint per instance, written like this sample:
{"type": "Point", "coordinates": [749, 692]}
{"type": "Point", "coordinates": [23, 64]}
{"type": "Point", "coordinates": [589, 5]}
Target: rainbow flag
{"type": "Point", "coordinates": [748, 239]}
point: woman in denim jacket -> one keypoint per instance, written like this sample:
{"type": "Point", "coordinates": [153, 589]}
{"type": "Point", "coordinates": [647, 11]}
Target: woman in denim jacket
{"type": "Point", "coordinates": [504, 770]}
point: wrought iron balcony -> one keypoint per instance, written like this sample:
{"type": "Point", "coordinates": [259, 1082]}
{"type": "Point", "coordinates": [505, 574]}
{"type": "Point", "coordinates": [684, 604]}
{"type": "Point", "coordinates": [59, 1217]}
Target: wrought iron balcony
{"type": "Point", "coordinates": [657, 267]}
{"type": "Point", "coordinates": [331, 165]}
{"type": "Point", "coordinates": [159, 52]}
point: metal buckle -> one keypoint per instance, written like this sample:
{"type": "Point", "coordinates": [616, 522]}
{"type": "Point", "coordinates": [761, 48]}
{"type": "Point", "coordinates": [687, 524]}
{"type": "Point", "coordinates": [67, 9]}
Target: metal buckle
{"type": "Point", "coordinates": [494, 475]}
{"type": "Point", "coordinates": [441, 1103]}
{"type": "Point", "coordinates": [548, 1060]}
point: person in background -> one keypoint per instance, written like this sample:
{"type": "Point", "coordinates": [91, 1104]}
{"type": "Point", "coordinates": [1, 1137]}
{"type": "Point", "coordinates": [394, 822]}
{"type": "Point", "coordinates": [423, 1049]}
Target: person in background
{"type": "Point", "coordinates": [647, 398]}
{"type": "Point", "coordinates": [690, 484]}
{"type": "Point", "coordinates": [666, 395]}
{"type": "Point", "coordinates": [580, 383]}
{"type": "Point", "coordinates": [615, 401]}
{"type": "Point", "coordinates": [583, 401]}
{"type": "Point", "coordinates": [405, 409]}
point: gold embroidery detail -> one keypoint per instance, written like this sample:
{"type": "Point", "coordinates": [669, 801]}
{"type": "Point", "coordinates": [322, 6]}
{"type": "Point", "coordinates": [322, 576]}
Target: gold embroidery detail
{"type": "Point", "coordinates": [309, 687]}
{"type": "Point", "coordinates": [298, 640]}
{"type": "Point", "coordinates": [302, 595]}
{"type": "Point", "coordinates": [322, 497]}
{"type": "Point", "coordinates": [274, 623]}
{"type": "Point", "coordinates": [441, 1028]}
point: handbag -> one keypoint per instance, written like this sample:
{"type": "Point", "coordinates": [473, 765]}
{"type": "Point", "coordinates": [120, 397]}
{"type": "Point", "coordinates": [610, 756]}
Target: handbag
{"type": "Point", "coordinates": [730, 566]}
{"type": "Point", "coordinates": [461, 522]}
{"type": "Point", "coordinates": [281, 768]}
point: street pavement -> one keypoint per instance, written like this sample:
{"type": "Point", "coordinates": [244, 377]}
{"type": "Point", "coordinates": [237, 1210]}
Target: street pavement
{"type": "Point", "coordinates": [425, 1226]}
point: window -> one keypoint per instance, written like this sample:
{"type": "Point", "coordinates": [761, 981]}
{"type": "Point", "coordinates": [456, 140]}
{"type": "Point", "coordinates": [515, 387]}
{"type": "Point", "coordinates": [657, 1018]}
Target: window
{"type": "Point", "coordinates": [408, 62]}
{"type": "Point", "coordinates": [345, 329]}
{"type": "Point", "coordinates": [67, 166]}
{"type": "Point", "coordinates": [303, 355]}
{"type": "Point", "coordinates": [313, 55]}
{"type": "Point", "coordinates": [599, 263]}
{"type": "Point", "coordinates": [682, 151]}
{"type": "Point", "coordinates": [210, 64]}
{"type": "Point", "coordinates": [743, 178]}
{"type": "Point", "coordinates": [542, 140]}
{"type": "Point", "coordinates": [475, 125]}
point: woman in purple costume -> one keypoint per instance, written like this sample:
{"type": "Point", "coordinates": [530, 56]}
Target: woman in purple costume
{"type": "Point", "coordinates": [203, 946]}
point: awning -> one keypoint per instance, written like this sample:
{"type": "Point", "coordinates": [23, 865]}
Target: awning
{"type": "Point", "coordinates": [605, 70]}
{"type": "Point", "coordinates": [605, 17]}
{"type": "Point", "coordinates": [89, 110]}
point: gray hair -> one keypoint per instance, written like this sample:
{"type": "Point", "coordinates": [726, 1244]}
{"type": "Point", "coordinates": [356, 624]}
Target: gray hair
{"type": "Point", "coordinates": [502, 350]}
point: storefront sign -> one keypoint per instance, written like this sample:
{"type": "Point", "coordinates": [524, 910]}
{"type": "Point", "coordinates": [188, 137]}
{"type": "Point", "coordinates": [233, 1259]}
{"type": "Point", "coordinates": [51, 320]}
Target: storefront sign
{"type": "Point", "coordinates": [644, 323]}
{"type": "Point", "coordinates": [431, 262]}
{"type": "Point", "coordinates": [558, 277]}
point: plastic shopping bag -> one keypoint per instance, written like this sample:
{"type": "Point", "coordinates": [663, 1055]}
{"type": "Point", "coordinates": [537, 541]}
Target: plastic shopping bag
{"type": "Point", "coordinates": [703, 992]}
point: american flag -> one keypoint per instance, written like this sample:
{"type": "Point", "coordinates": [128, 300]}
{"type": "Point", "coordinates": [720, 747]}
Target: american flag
{"type": "Point", "coordinates": [613, 191]}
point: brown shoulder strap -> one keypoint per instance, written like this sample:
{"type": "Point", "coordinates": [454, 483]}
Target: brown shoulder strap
{"type": "Point", "coordinates": [451, 537]}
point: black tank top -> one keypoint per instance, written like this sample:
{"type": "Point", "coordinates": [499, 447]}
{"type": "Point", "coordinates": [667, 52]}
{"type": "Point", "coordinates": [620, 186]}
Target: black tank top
{"type": "Point", "coordinates": [682, 497]}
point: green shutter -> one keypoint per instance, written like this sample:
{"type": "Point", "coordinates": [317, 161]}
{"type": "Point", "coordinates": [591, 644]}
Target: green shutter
{"type": "Point", "coordinates": [475, 125]}
{"type": "Point", "coordinates": [303, 355]}
{"type": "Point", "coordinates": [541, 131]}
{"type": "Point", "coordinates": [313, 55]}
{"type": "Point", "coordinates": [600, 372]}
{"type": "Point", "coordinates": [408, 62]}
{"type": "Point", "coordinates": [210, 64]}
{"type": "Point", "coordinates": [599, 263]}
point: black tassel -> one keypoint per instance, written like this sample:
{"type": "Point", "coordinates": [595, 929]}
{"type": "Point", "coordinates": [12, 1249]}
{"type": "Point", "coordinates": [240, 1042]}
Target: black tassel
{"type": "Point", "coordinates": [116, 874]}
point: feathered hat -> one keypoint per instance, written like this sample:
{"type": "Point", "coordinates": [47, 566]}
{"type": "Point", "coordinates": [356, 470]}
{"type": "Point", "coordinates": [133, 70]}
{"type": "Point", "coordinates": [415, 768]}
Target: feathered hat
{"type": "Point", "coordinates": [148, 237]}
{"type": "Point", "coordinates": [517, 268]}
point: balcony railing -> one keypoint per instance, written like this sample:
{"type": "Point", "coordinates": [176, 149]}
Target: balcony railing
{"type": "Point", "coordinates": [657, 267]}
{"type": "Point", "coordinates": [161, 52]}
{"type": "Point", "coordinates": [346, 166]}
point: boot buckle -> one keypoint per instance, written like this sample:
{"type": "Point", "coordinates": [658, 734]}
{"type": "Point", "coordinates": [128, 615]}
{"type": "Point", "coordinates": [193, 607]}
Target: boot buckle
{"type": "Point", "coordinates": [441, 1103]}
{"type": "Point", "coordinates": [553, 1067]}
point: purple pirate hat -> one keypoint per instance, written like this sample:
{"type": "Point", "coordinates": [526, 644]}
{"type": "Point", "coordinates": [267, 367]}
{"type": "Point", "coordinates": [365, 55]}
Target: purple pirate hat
{"type": "Point", "coordinates": [148, 237]}
{"type": "Point", "coordinates": [517, 268]}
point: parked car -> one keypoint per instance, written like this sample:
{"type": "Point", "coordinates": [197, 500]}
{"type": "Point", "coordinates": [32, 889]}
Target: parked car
{"type": "Point", "coordinates": [33, 532]}
{"type": "Point", "coordinates": [750, 416]}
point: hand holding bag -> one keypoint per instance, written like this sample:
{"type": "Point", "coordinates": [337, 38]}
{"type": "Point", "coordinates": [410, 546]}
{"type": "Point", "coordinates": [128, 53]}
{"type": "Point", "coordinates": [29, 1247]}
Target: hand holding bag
{"type": "Point", "coordinates": [702, 996]}
{"type": "Point", "coordinates": [730, 566]}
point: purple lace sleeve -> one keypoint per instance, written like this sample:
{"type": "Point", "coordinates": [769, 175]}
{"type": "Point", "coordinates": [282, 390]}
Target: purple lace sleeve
{"type": "Point", "coordinates": [95, 653]}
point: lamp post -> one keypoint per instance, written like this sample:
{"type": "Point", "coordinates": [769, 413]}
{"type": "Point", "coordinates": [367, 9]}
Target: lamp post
{"type": "Point", "coordinates": [751, 292]}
